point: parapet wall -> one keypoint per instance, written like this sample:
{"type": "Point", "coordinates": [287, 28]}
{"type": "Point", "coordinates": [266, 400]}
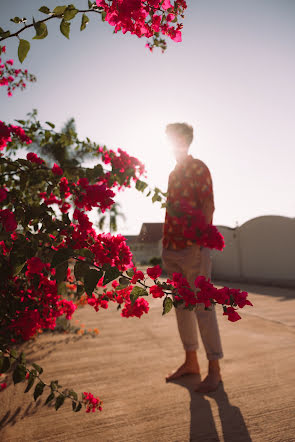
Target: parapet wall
{"type": "Point", "coordinates": [262, 251]}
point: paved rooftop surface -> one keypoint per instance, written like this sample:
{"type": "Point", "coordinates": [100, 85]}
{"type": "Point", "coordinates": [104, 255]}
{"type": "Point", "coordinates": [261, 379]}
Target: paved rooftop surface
{"type": "Point", "coordinates": [126, 365]}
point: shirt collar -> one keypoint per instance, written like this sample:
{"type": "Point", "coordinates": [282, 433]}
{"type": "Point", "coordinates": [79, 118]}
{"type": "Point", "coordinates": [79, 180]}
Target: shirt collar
{"type": "Point", "coordinates": [184, 163]}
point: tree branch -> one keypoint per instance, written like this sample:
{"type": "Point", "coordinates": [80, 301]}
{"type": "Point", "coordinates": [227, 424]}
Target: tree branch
{"type": "Point", "coordinates": [60, 16]}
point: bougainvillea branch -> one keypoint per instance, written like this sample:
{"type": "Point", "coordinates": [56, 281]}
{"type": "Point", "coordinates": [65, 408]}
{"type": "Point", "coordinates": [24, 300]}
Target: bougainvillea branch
{"type": "Point", "coordinates": [21, 373]}
{"type": "Point", "coordinates": [11, 77]}
{"type": "Point", "coordinates": [152, 19]}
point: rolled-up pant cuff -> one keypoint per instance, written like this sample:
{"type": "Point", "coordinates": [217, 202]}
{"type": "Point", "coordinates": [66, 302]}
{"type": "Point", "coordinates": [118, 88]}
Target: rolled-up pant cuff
{"type": "Point", "coordinates": [214, 356]}
{"type": "Point", "coordinates": [193, 347]}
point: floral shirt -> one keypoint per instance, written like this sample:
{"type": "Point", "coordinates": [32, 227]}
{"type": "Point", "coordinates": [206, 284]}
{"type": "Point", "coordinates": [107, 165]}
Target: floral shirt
{"type": "Point", "coordinates": [190, 184]}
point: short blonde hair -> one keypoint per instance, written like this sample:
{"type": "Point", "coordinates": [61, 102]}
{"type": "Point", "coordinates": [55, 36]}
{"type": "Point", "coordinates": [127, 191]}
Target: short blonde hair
{"type": "Point", "coordinates": [183, 129]}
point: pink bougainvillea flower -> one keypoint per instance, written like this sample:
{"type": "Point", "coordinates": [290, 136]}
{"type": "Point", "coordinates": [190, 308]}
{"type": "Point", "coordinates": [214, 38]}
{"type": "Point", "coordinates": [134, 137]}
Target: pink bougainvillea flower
{"type": "Point", "coordinates": [166, 4]}
{"type": "Point", "coordinates": [56, 170]}
{"type": "Point", "coordinates": [8, 220]}
{"type": "Point", "coordinates": [20, 133]}
{"type": "Point", "coordinates": [33, 157]}
{"type": "Point", "coordinates": [35, 265]}
{"type": "Point", "coordinates": [222, 296]}
{"type": "Point", "coordinates": [240, 298]}
{"type": "Point", "coordinates": [3, 386]}
{"type": "Point", "coordinates": [232, 314]}
{"type": "Point", "coordinates": [154, 272]}
{"type": "Point", "coordinates": [156, 291]}
{"type": "Point", "coordinates": [92, 403]}
{"type": "Point", "coordinates": [3, 194]}
{"type": "Point", "coordinates": [64, 186]}
{"type": "Point", "coordinates": [136, 276]}
{"type": "Point", "coordinates": [139, 307]}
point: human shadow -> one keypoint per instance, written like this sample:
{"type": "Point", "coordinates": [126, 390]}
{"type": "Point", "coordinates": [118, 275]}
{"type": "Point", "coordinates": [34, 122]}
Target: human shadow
{"type": "Point", "coordinates": [11, 418]}
{"type": "Point", "coordinates": [203, 426]}
{"type": "Point", "coordinates": [40, 351]}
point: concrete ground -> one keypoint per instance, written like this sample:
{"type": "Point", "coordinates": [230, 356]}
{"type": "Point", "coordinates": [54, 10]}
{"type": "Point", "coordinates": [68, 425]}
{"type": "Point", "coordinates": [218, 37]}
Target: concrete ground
{"type": "Point", "coordinates": [126, 365]}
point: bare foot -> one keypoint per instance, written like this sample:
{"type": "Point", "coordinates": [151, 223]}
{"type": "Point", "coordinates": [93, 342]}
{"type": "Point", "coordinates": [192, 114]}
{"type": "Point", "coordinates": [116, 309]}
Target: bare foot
{"type": "Point", "coordinates": [183, 370]}
{"type": "Point", "coordinates": [210, 383]}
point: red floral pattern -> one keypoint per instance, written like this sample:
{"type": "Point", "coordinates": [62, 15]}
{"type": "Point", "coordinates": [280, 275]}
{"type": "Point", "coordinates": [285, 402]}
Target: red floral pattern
{"type": "Point", "coordinates": [190, 184]}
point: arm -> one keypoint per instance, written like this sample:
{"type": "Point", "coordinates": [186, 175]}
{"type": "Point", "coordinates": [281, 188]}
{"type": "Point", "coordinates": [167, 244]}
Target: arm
{"type": "Point", "coordinates": [208, 210]}
{"type": "Point", "coordinates": [205, 192]}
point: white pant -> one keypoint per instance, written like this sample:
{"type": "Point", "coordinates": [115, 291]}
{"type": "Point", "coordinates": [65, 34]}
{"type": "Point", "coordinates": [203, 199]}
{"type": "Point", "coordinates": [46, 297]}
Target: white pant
{"type": "Point", "coordinates": [192, 262]}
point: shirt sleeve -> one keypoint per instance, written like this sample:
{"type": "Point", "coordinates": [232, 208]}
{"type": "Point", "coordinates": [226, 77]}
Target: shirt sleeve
{"type": "Point", "coordinates": [204, 188]}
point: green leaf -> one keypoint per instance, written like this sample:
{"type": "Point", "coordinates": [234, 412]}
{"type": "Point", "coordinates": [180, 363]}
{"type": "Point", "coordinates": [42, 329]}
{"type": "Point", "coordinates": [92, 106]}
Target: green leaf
{"type": "Point", "coordinates": [65, 28]}
{"type": "Point", "coordinates": [44, 9]}
{"type": "Point", "coordinates": [16, 20]}
{"type": "Point", "coordinates": [22, 358]}
{"type": "Point", "coordinates": [62, 289]}
{"type": "Point", "coordinates": [130, 272]}
{"type": "Point", "coordinates": [80, 270]}
{"type": "Point", "coordinates": [84, 22]}
{"type": "Point", "coordinates": [41, 30]}
{"type": "Point", "coordinates": [53, 385]}
{"type": "Point", "coordinates": [103, 15]}
{"type": "Point", "coordinates": [60, 256]}
{"type": "Point", "coordinates": [78, 408]}
{"type": "Point", "coordinates": [19, 373]}
{"type": "Point", "coordinates": [73, 394]}
{"type": "Point", "coordinates": [89, 4]}
{"type": "Point", "coordinates": [13, 353]}
{"type": "Point", "coordinates": [31, 381]}
{"type": "Point", "coordinates": [4, 364]}
{"type": "Point", "coordinates": [39, 390]}
{"type": "Point", "coordinates": [167, 305]}
{"type": "Point", "coordinates": [156, 197]}
{"type": "Point", "coordinates": [91, 279]}
{"type": "Point", "coordinates": [140, 185]}
{"type": "Point", "coordinates": [84, 252]}
{"type": "Point", "coordinates": [49, 398]}
{"type": "Point", "coordinates": [136, 293]}
{"type": "Point", "coordinates": [4, 34]}
{"type": "Point", "coordinates": [38, 368]}
{"type": "Point", "coordinates": [23, 49]}
{"type": "Point", "coordinates": [58, 10]}
{"type": "Point", "coordinates": [140, 291]}
{"type": "Point", "coordinates": [70, 12]}
{"type": "Point", "coordinates": [111, 273]}
{"type": "Point", "coordinates": [59, 401]}
{"type": "Point", "coordinates": [50, 124]}
{"type": "Point", "coordinates": [18, 268]}
{"type": "Point", "coordinates": [61, 272]}
{"type": "Point", "coordinates": [80, 291]}
{"type": "Point", "coordinates": [124, 282]}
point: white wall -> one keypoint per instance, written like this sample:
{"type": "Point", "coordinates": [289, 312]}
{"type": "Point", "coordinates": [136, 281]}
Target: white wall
{"type": "Point", "coordinates": [261, 250]}
{"type": "Point", "coordinates": [226, 262]}
{"type": "Point", "coordinates": [143, 252]}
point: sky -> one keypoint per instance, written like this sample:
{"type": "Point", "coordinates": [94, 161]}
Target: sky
{"type": "Point", "coordinates": [231, 78]}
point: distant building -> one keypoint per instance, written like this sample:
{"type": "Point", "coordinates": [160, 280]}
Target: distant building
{"type": "Point", "coordinates": [262, 250]}
{"type": "Point", "coordinates": [148, 244]}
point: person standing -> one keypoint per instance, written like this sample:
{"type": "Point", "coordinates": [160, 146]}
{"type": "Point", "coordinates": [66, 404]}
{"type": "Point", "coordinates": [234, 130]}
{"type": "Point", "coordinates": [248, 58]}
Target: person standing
{"type": "Point", "coordinates": [190, 183]}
